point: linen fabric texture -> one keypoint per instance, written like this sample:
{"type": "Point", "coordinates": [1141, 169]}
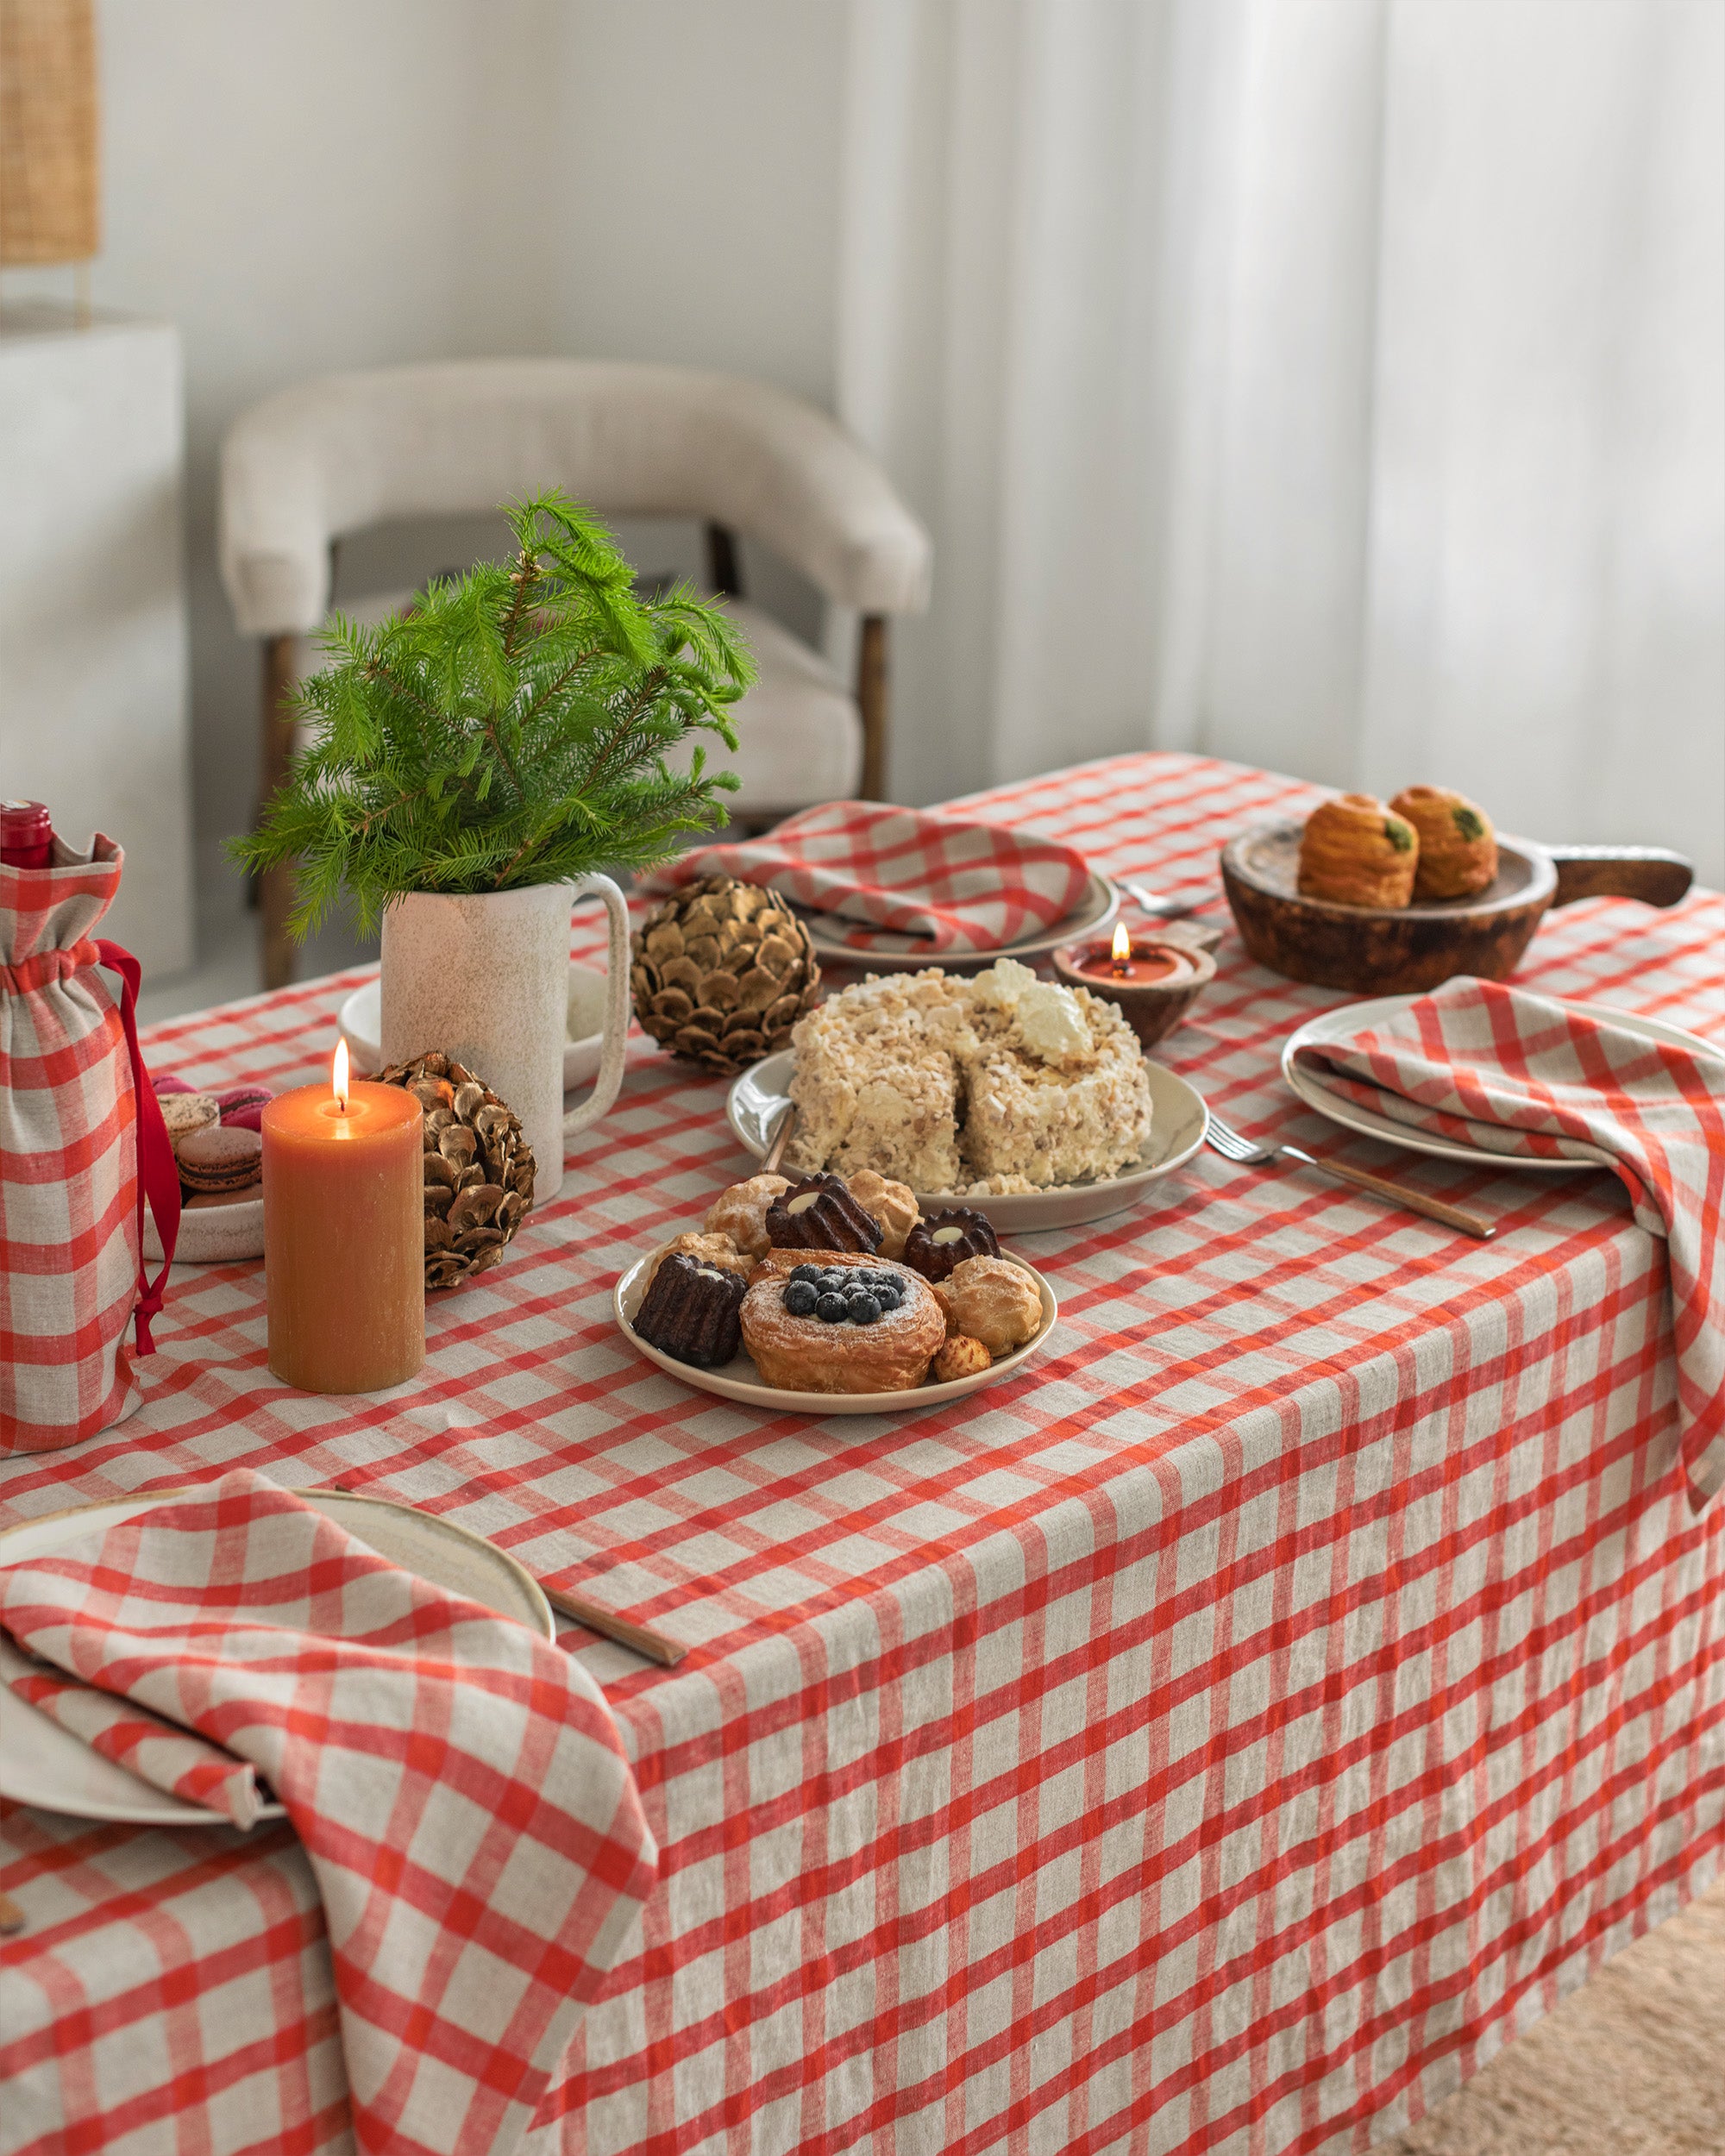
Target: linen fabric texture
{"type": "Point", "coordinates": [1509, 1072]}
{"type": "Point", "coordinates": [70, 1178]}
{"type": "Point", "coordinates": [175, 1761]}
{"type": "Point", "coordinates": [457, 1782]}
{"type": "Point", "coordinates": [916, 881]}
{"type": "Point", "coordinates": [1222, 1734]}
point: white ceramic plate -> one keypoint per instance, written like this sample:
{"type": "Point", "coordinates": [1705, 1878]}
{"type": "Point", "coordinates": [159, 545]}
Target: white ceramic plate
{"type": "Point", "coordinates": [1178, 1120]}
{"type": "Point", "coordinates": [1354, 1018]}
{"type": "Point", "coordinates": [739, 1380]}
{"type": "Point", "coordinates": [43, 1764]}
{"type": "Point", "coordinates": [361, 1020]}
{"type": "Point", "coordinates": [1094, 911]}
{"type": "Point", "coordinates": [211, 1235]}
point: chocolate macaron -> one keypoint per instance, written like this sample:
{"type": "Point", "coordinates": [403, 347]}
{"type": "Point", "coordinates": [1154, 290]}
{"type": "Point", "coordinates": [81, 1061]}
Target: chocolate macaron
{"type": "Point", "coordinates": [221, 1158]}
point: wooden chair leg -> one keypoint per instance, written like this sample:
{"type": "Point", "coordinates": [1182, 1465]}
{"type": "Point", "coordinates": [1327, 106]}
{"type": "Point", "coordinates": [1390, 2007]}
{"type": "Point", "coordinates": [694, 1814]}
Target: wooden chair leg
{"type": "Point", "coordinates": [871, 701]}
{"type": "Point", "coordinates": [275, 892]}
{"type": "Point", "coordinates": [723, 567]}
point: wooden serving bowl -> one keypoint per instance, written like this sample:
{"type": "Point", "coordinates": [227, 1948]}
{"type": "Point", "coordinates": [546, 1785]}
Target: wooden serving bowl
{"type": "Point", "coordinates": [1379, 951]}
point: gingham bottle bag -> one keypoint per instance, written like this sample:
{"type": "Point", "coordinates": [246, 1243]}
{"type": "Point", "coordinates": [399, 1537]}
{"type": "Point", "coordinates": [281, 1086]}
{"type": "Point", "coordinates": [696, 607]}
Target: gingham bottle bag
{"type": "Point", "coordinates": [82, 1143]}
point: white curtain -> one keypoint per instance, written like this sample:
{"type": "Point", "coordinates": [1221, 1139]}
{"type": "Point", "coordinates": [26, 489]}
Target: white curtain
{"type": "Point", "coordinates": [1337, 385]}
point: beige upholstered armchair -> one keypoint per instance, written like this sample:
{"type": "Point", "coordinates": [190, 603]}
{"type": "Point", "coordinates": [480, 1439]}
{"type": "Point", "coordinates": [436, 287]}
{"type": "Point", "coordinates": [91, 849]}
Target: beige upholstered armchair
{"type": "Point", "coordinates": [333, 456]}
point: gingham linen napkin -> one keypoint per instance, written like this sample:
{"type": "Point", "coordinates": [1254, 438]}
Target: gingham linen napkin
{"type": "Point", "coordinates": [457, 1783]}
{"type": "Point", "coordinates": [1513, 1073]}
{"type": "Point", "coordinates": [913, 881]}
{"type": "Point", "coordinates": [175, 1761]}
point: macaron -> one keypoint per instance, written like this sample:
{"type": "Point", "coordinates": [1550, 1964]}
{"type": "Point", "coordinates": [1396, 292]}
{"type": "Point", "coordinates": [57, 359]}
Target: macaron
{"type": "Point", "coordinates": [243, 1109]}
{"type": "Point", "coordinates": [201, 1200]}
{"type": "Point", "coordinates": [185, 1113]}
{"type": "Point", "coordinates": [220, 1159]}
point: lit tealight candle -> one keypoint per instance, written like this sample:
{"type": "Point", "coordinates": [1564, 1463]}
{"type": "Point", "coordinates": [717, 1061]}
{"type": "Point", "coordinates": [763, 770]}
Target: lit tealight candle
{"type": "Point", "coordinates": [344, 1235]}
{"type": "Point", "coordinates": [1122, 962]}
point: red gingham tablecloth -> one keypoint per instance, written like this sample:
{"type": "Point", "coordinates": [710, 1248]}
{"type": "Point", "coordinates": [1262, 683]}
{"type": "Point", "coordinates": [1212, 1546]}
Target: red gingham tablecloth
{"type": "Point", "coordinates": [1224, 1734]}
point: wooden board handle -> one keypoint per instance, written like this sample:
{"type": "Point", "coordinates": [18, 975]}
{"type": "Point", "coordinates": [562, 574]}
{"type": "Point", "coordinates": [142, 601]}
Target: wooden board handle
{"type": "Point", "coordinates": [1651, 874]}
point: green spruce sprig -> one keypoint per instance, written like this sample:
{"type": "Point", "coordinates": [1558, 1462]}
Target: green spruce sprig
{"type": "Point", "coordinates": [513, 728]}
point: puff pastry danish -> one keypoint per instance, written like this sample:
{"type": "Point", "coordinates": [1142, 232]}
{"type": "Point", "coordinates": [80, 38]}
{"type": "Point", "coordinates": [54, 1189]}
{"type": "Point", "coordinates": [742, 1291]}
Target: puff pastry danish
{"type": "Point", "coordinates": [1457, 846]}
{"type": "Point", "coordinates": [806, 1355]}
{"type": "Point", "coordinates": [1356, 852]}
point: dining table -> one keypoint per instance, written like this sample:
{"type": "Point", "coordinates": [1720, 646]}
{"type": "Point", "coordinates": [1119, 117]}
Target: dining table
{"type": "Point", "coordinates": [1223, 1733]}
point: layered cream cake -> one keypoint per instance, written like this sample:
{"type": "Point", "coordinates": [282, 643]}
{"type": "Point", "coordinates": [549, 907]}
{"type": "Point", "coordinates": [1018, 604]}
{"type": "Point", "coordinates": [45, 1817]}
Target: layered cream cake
{"type": "Point", "coordinates": [1000, 1082]}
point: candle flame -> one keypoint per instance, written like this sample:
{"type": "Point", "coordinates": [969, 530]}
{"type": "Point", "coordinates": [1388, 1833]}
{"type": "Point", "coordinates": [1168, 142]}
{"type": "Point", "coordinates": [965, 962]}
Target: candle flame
{"type": "Point", "coordinates": [339, 1076]}
{"type": "Point", "coordinates": [1123, 943]}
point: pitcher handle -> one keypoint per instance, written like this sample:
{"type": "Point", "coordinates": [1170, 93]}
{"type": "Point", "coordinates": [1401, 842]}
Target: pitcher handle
{"type": "Point", "coordinates": [610, 1079]}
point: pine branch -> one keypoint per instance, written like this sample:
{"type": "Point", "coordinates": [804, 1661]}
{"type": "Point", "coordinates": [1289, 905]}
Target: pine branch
{"type": "Point", "coordinates": [422, 773]}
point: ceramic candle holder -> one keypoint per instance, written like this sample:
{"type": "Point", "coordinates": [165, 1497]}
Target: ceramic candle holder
{"type": "Point", "coordinates": [1153, 1007]}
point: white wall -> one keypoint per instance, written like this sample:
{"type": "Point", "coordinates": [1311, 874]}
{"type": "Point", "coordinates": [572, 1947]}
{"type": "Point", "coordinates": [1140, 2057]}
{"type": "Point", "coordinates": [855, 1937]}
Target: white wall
{"type": "Point", "coordinates": [307, 184]}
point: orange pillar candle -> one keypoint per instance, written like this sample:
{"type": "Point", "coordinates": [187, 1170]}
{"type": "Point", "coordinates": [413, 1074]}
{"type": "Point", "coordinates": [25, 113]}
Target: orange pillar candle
{"type": "Point", "coordinates": [344, 1235]}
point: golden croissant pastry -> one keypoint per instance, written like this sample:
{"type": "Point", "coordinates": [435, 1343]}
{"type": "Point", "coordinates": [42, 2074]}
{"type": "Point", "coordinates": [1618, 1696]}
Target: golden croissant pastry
{"type": "Point", "coordinates": [1457, 846]}
{"type": "Point", "coordinates": [1355, 851]}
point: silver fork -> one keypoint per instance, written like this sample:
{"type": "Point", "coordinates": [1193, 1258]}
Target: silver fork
{"type": "Point", "coordinates": [1231, 1146]}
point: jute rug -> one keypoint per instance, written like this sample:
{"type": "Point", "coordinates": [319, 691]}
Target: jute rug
{"type": "Point", "coordinates": [1632, 2065]}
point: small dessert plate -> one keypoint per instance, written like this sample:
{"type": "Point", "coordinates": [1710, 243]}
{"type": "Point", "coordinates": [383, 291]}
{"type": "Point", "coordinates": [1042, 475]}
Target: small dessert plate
{"type": "Point", "coordinates": [739, 1380]}
{"type": "Point", "coordinates": [1178, 1120]}
{"type": "Point", "coordinates": [211, 1235]}
{"type": "Point", "coordinates": [43, 1764]}
{"type": "Point", "coordinates": [361, 1020]}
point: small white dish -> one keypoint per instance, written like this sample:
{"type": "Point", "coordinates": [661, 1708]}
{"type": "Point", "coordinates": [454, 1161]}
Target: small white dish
{"type": "Point", "coordinates": [43, 1764]}
{"type": "Point", "coordinates": [211, 1235]}
{"type": "Point", "coordinates": [361, 1021]}
{"type": "Point", "coordinates": [1096, 910]}
{"type": "Point", "coordinates": [1178, 1120]}
{"type": "Point", "coordinates": [738, 1381]}
{"type": "Point", "coordinates": [1350, 1018]}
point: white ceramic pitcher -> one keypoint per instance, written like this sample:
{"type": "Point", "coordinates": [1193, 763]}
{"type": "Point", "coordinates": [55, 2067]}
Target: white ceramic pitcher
{"type": "Point", "coordinates": [486, 979]}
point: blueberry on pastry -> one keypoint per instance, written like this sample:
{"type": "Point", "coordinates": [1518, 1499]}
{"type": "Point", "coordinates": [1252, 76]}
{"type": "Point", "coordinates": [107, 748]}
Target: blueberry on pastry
{"type": "Point", "coordinates": [1457, 846]}
{"type": "Point", "coordinates": [690, 1311]}
{"type": "Point", "coordinates": [1354, 851]}
{"type": "Point", "coordinates": [819, 1213]}
{"type": "Point", "coordinates": [936, 1244]}
{"type": "Point", "coordinates": [852, 1323]}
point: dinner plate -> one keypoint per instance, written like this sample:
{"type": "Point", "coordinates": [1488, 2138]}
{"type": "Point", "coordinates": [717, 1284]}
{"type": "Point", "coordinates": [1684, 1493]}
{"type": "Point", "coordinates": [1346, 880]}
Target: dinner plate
{"type": "Point", "coordinates": [1178, 1120]}
{"type": "Point", "coordinates": [1094, 911]}
{"type": "Point", "coordinates": [43, 1764]}
{"type": "Point", "coordinates": [361, 1021]}
{"type": "Point", "coordinates": [736, 1380]}
{"type": "Point", "coordinates": [1354, 1018]}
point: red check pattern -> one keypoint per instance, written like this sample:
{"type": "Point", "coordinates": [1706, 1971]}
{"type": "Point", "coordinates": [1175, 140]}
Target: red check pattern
{"type": "Point", "coordinates": [1496, 1066]}
{"type": "Point", "coordinates": [1221, 1735]}
{"type": "Point", "coordinates": [68, 1162]}
{"type": "Point", "coordinates": [923, 881]}
{"type": "Point", "coordinates": [176, 1761]}
{"type": "Point", "coordinates": [455, 1783]}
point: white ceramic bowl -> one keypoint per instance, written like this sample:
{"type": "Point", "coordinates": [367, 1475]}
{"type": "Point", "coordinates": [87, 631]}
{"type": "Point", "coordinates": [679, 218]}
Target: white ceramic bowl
{"type": "Point", "coordinates": [1178, 1121]}
{"type": "Point", "coordinates": [740, 1381]}
{"type": "Point", "coordinates": [361, 1020]}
